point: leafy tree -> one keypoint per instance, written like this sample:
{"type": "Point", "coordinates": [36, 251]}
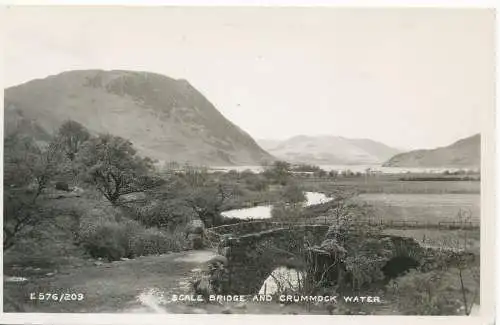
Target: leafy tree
{"type": "Point", "coordinates": [168, 213]}
{"type": "Point", "coordinates": [72, 136]}
{"type": "Point", "coordinates": [207, 203]}
{"type": "Point", "coordinates": [305, 168]}
{"type": "Point", "coordinates": [195, 177]}
{"type": "Point", "coordinates": [28, 170]}
{"type": "Point", "coordinates": [111, 164]}
{"type": "Point", "coordinates": [279, 172]}
{"type": "Point", "coordinates": [257, 183]}
{"type": "Point", "coordinates": [293, 193]}
{"type": "Point", "coordinates": [320, 173]}
{"type": "Point", "coordinates": [333, 174]}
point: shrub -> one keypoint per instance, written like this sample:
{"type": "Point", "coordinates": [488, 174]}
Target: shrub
{"type": "Point", "coordinates": [113, 240]}
{"type": "Point", "coordinates": [195, 241]}
{"type": "Point", "coordinates": [293, 193]}
{"type": "Point", "coordinates": [167, 214]}
{"type": "Point", "coordinates": [106, 239]}
{"type": "Point", "coordinates": [286, 212]}
{"type": "Point", "coordinates": [62, 186]}
{"type": "Point", "coordinates": [153, 241]}
{"type": "Point", "coordinates": [424, 293]}
{"type": "Point", "coordinates": [256, 183]}
{"type": "Point", "coordinates": [49, 246]}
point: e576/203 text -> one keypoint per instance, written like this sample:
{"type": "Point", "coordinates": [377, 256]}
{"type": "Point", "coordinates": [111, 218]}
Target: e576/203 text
{"type": "Point", "coordinates": [54, 296]}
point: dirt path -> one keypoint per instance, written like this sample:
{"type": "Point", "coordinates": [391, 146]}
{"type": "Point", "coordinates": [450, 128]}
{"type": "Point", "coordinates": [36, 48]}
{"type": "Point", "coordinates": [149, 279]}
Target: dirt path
{"type": "Point", "coordinates": [138, 285]}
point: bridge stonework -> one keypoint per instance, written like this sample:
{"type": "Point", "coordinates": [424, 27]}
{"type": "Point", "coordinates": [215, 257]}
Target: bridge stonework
{"type": "Point", "coordinates": [253, 256]}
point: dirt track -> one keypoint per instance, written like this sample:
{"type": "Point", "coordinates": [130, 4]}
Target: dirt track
{"type": "Point", "coordinates": [121, 286]}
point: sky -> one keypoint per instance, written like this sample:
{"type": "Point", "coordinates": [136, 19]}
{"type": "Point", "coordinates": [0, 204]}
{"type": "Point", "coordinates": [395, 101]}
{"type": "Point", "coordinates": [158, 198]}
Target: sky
{"type": "Point", "coordinates": [410, 78]}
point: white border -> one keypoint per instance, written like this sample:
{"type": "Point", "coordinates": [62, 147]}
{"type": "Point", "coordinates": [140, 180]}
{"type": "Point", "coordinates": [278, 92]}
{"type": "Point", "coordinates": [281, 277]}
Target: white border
{"type": "Point", "coordinates": [487, 197]}
{"type": "Point", "coordinates": [261, 3]}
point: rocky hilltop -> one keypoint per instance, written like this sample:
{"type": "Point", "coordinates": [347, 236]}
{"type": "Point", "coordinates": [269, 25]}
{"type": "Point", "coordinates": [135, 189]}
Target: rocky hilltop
{"type": "Point", "coordinates": [463, 153]}
{"type": "Point", "coordinates": [165, 118]}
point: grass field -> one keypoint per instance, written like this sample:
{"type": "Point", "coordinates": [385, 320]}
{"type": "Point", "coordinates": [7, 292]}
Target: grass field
{"type": "Point", "coordinates": [392, 184]}
{"type": "Point", "coordinates": [431, 208]}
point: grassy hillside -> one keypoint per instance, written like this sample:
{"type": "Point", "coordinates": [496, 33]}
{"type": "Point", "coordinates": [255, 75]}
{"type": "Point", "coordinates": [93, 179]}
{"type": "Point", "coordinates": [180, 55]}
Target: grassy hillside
{"type": "Point", "coordinates": [463, 153]}
{"type": "Point", "coordinates": [166, 119]}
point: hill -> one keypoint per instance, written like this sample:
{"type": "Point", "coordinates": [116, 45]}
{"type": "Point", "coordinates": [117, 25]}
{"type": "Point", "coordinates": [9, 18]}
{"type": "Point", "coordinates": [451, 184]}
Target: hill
{"type": "Point", "coordinates": [329, 150]}
{"type": "Point", "coordinates": [165, 118]}
{"type": "Point", "coordinates": [463, 153]}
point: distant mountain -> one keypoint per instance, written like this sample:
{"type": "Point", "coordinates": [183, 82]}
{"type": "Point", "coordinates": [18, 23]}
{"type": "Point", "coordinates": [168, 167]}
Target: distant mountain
{"type": "Point", "coordinates": [463, 153]}
{"type": "Point", "coordinates": [164, 118]}
{"type": "Point", "coordinates": [329, 150]}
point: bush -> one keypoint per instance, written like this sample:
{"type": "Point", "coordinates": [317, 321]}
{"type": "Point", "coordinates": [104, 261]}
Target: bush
{"type": "Point", "coordinates": [49, 246]}
{"type": "Point", "coordinates": [152, 241]}
{"type": "Point", "coordinates": [62, 186]}
{"type": "Point", "coordinates": [286, 212]}
{"type": "Point", "coordinates": [424, 293]}
{"type": "Point", "coordinates": [107, 239]}
{"type": "Point", "coordinates": [113, 240]}
{"type": "Point", "coordinates": [256, 183]}
{"type": "Point", "coordinates": [195, 241]}
{"type": "Point", "coordinates": [167, 214]}
{"type": "Point", "coordinates": [293, 193]}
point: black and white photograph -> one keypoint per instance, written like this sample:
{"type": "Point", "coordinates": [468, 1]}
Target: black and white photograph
{"type": "Point", "coordinates": [247, 160]}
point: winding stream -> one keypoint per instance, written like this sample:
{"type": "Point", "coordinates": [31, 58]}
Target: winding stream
{"type": "Point", "coordinates": [264, 211]}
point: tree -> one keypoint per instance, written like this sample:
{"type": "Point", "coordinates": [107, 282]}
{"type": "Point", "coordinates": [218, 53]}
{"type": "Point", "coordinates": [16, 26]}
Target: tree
{"type": "Point", "coordinates": [279, 172]}
{"type": "Point", "coordinates": [72, 136]}
{"type": "Point", "coordinates": [112, 165]}
{"type": "Point", "coordinates": [207, 202]}
{"type": "Point", "coordinates": [333, 174]}
{"type": "Point", "coordinates": [320, 173]}
{"type": "Point", "coordinates": [168, 213]}
{"type": "Point", "coordinates": [292, 193]}
{"type": "Point", "coordinates": [28, 170]}
{"type": "Point", "coordinates": [195, 177]}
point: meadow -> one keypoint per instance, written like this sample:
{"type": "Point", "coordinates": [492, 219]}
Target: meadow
{"type": "Point", "coordinates": [395, 184]}
{"type": "Point", "coordinates": [422, 207]}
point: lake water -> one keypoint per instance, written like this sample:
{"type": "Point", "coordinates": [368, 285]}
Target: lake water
{"type": "Point", "coordinates": [352, 168]}
{"type": "Point", "coordinates": [264, 211]}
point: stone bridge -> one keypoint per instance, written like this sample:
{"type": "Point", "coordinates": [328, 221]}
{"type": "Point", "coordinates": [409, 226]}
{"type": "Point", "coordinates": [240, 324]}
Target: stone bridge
{"type": "Point", "coordinates": [255, 249]}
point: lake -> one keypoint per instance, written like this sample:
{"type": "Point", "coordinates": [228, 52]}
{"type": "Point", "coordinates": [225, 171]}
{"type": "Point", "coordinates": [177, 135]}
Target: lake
{"type": "Point", "coordinates": [352, 168]}
{"type": "Point", "coordinates": [264, 211]}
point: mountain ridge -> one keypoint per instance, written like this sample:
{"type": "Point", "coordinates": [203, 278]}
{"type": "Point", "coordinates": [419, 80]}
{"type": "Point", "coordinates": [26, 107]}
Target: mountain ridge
{"type": "Point", "coordinates": [464, 152]}
{"type": "Point", "coordinates": [329, 149]}
{"type": "Point", "coordinates": [165, 118]}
